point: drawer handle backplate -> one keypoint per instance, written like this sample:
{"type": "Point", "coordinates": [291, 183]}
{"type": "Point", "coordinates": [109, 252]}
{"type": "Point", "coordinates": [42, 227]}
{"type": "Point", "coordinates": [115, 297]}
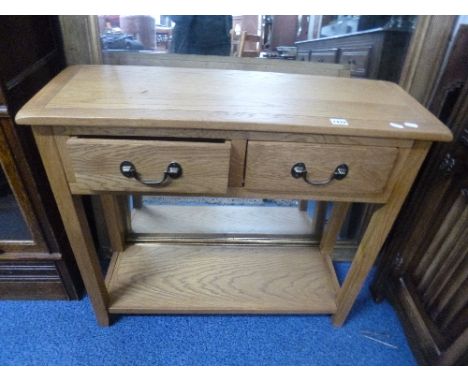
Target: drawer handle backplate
{"type": "Point", "coordinates": [299, 170]}
{"type": "Point", "coordinates": [173, 171]}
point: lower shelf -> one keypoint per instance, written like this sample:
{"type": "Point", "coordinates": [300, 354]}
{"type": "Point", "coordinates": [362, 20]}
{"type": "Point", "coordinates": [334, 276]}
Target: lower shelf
{"type": "Point", "coordinates": [163, 278]}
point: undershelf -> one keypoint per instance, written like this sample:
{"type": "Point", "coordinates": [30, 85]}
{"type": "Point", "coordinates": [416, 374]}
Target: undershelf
{"type": "Point", "coordinates": [163, 278]}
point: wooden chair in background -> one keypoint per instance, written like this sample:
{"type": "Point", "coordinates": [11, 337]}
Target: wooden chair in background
{"type": "Point", "coordinates": [241, 45]}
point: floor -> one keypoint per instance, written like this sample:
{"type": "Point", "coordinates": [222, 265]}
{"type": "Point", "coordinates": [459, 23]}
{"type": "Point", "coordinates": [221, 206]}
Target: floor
{"type": "Point", "coordinates": [66, 333]}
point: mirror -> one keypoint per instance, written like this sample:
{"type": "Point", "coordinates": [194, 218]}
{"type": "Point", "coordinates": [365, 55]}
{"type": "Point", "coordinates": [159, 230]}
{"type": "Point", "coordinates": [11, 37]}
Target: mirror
{"type": "Point", "coordinates": [334, 45]}
{"type": "Point", "coordinates": [268, 36]}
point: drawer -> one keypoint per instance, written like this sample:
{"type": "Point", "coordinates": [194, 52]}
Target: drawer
{"type": "Point", "coordinates": [324, 55]}
{"type": "Point", "coordinates": [303, 56]}
{"type": "Point", "coordinates": [96, 165]}
{"type": "Point", "coordinates": [269, 168]}
{"type": "Point", "coordinates": [358, 59]}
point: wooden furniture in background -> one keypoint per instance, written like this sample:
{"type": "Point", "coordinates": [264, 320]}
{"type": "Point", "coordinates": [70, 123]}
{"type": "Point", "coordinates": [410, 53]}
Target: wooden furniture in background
{"type": "Point", "coordinates": [216, 114]}
{"type": "Point", "coordinates": [40, 263]}
{"type": "Point", "coordinates": [283, 31]}
{"type": "Point", "coordinates": [423, 269]}
{"type": "Point", "coordinates": [245, 45]}
{"type": "Point", "coordinates": [377, 53]}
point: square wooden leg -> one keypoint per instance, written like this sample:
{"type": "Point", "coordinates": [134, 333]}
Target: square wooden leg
{"type": "Point", "coordinates": [76, 224]}
{"type": "Point", "coordinates": [376, 233]}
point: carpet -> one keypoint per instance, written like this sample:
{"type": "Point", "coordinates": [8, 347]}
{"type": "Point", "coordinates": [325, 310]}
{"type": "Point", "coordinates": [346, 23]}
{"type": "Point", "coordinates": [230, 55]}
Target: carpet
{"type": "Point", "coordinates": [66, 333]}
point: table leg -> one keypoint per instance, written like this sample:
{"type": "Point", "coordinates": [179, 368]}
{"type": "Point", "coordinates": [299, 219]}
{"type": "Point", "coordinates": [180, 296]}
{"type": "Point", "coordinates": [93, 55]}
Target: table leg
{"type": "Point", "coordinates": [379, 227]}
{"type": "Point", "coordinates": [320, 214]}
{"type": "Point", "coordinates": [332, 228]}
{"type": "Point", "coordinates": [137, 201]}
{"type": "Point", "coordinates": [75, 223]}
{"type": "Point", "coordinates": [303, 205]}
{"type": "Point", "coordinates": [330, 234]}
{"type": "Point", "coordinates": [115, 221]}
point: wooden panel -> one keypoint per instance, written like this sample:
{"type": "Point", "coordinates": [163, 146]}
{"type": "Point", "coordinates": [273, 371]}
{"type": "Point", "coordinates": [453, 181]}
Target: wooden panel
{"type": "Point", "coordinates": [440, 257]}
{"type": "Point", "coordinates": [269, 167]}
{"type": "Point", "coordinates": [324, 55]}
{"type": "Point", "coordinates": [33, 240]}
{"type": "Point", "coordinates": [444, 277]}
{"type": "Point", "coordinates": [230, 100]}
{"type": "Point", "coordinates": [27, 290]}
{"type": "Point", "coordinates": [222, 279]}
{"type": "Point", "coordinates": [456, 311]}
{"type": "Point", "coordinates": [385, 59]}
{"type": "Point", "coordinates": [28, 61]}
{"type": "Point", "coordinates": [458, 282]}
{"type": "Point", "coordinates": [303, 56]}
{"type": "Point", "coordinates": [406, 303]}
{"type": "Point", "coordinates": [96, 164]}
{"type": "Point", "coordinates": [425, 228]}
{"type": "Point", "coordinates": [357, 59]}
{"type": "Point", "coordinates": [237, 162]}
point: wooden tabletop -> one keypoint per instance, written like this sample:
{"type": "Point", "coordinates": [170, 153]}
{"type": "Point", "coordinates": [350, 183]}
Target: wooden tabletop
{"type": "Point", "coordinates": [103, 95]}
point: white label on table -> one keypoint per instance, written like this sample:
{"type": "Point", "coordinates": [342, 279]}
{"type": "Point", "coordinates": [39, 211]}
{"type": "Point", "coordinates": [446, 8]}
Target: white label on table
{"type": "Point", "coordinates": [339, 122]}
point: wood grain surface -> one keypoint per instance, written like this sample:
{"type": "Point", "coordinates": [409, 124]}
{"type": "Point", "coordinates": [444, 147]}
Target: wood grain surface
{"type": "Point", "coordinates": [96, 164]}
{"type": "Point", "coordinates": [269, 167]}
{"type": "Point", "coordinates": [220, 279]}
{"type": "Point", "coordinates": [229, 100]}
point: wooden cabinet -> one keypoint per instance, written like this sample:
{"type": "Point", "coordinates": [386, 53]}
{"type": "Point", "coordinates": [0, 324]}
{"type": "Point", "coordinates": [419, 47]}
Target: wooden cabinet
{"type": "Point", "coordinates": [423, 270]}
{"type": "Point", "coordinates": [35, 255]}
{"type": "Point", "coordinates": [377, 53]}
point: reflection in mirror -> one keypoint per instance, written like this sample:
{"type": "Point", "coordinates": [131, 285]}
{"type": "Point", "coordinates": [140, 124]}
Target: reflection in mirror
{"type": "Point", "coordinates": [265, 36]}
{"type": "Point", "coordinates": [169, 216]}
{"type": "Point", "coordinates": [12, 224]}
{"type": "Point", "coordinates": [196, 215]}
{"type": "Point", "coordinates": [341, 45]}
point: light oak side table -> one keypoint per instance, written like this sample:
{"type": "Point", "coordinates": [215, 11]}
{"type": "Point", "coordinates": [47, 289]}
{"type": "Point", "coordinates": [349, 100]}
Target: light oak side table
{"type": "Point", "coordinates": [119, 130]}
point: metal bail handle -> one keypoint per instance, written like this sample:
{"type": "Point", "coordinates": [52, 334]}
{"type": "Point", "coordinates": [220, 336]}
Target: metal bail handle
{"type": "Point", "coordinates": [299, 170]}
{"type": "Point", "coordinates": [173, 171]}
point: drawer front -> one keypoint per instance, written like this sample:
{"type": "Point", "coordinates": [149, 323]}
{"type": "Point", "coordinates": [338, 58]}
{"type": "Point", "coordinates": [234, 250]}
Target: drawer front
{"type": "Point", "coordinates": [96, 165]}
{"type": "Point", "coordinates": [303, 56]}
{"type": "Point", "coordinates": [358, 59]}
{"type": "Point", "coordinates": [269, 167]}
{"type": "Point", "coordinates": [324, 55]}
